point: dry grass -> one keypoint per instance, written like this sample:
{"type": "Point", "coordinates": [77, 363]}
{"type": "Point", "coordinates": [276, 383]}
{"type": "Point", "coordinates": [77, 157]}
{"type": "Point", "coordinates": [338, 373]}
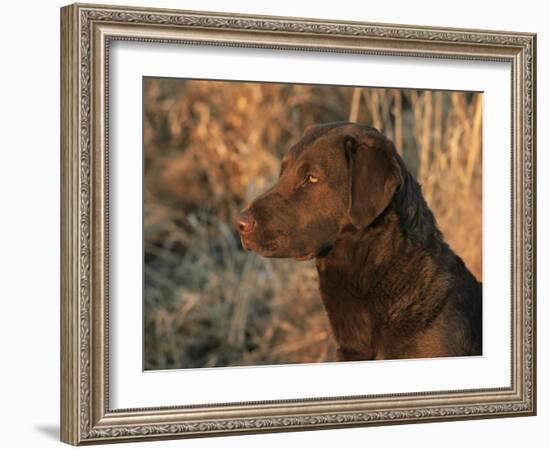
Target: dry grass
{"type": "Point", "coordinates": [210, 147]}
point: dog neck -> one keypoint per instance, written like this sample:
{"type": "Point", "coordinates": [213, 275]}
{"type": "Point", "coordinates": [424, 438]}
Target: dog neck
{"type": "Point", "coordinates": [358, 258]}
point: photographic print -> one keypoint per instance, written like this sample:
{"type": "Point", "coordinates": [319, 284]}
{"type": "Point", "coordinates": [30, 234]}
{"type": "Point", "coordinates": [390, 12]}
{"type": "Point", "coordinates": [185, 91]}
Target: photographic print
{"type": "Point", "coordinates": [295, 223]}
{"type": "Point", "coordinates": [279, 224]}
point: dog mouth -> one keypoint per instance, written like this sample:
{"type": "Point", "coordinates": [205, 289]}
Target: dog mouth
{"type": "Point", "coordinates": [266, 250]}
{"type": "Point", "coordinates": [271, 249]}
{"type": "Point", "coordinates": [246, 243]}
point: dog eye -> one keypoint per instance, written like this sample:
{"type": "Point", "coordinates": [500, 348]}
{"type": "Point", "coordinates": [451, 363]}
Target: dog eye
{"type": "Point", "coordinates": [312, 179]}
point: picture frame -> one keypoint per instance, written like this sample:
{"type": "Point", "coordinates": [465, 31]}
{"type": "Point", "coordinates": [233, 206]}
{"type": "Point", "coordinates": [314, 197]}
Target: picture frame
{"type": "Point", "coordinates": [87, 33]}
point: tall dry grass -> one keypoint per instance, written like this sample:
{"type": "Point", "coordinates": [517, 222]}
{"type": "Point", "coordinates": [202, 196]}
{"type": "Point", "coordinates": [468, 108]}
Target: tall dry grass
{"type": "Point", "coordinates": [210, 147]}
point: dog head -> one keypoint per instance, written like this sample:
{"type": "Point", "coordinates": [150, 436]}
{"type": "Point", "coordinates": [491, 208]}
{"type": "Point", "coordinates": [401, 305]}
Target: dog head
{"type": "Point", "coordinates": [337, 175]}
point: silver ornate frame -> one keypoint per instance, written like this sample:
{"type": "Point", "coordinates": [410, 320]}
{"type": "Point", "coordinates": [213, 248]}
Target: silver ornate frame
{"type": "Point", "coordinates": [86, 32]}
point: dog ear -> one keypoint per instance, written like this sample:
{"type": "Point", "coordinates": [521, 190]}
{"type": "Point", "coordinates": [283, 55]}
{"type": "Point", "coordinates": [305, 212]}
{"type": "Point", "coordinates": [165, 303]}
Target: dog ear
{"type": "Point", "coordinates": [374, 176]}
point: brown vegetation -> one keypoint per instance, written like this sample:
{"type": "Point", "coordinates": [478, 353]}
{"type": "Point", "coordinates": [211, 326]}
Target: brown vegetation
{"type": "Point", "coordinates": [210, 147]}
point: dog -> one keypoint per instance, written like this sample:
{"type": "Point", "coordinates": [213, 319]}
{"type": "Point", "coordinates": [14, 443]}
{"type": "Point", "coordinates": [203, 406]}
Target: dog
{"type": "Point", "coordinates": [391, 286]}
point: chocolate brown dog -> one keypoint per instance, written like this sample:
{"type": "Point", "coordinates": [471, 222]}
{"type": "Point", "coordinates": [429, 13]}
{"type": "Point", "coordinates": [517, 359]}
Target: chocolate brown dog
{"type": "Point", "coordinates": [391, 286]}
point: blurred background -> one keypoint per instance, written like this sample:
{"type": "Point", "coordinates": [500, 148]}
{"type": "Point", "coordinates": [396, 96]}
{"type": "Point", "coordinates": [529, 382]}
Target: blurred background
{"type": "Point", "coordinates": [210, 147]}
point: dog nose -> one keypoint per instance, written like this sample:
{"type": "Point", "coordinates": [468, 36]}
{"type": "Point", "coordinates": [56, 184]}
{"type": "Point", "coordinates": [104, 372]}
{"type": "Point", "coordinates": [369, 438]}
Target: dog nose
{"type": "Point", "coordinates": [245, 222]}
